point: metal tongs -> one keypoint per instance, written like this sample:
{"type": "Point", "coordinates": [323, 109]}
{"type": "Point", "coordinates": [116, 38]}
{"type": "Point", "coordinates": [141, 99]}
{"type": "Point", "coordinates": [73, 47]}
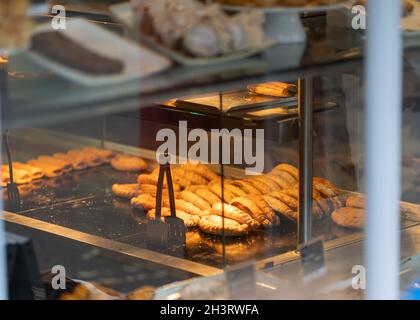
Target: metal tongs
{"type": "Point", "coordinates": [171, 232]}
{"type": "Point", "coordinates": [12, 189]}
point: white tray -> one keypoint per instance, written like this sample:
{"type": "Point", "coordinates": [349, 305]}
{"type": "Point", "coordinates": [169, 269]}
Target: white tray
{"type": "Point", "coordinates": [138, 61]}
{"type": "Point", "coordinates": [123, 13]}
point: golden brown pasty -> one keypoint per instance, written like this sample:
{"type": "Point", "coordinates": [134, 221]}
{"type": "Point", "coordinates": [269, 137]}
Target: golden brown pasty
{"type": "Point", "coordinates": [50, 170]}
{"type": "Point", "coordinates": [35, 172]}
{"type": "Point", "coordinates": [356, 202]}
{"type": "Point", "coordinates": [248, 206]}
{"type": "Point", "coordinates": [210, 197]}
{"type": "Point", "coordinates": [266, 208]}
{"type": "Point", "coordinates": [104, 154]}
{"type": "Point", "coordinates": [19, 176]}
{"type": "Point", "coordinates": [213, 224]}
{"type": "Point", "coordinates": [260, 186]}
{"type": "Point", "coordinates": [91, 159]}
{"type": "Point", "coordinates": [235, 190]}
{"type": "Point", "coordinates": [63, 164]}
{"type": "Point", "coordinates": [124, 162]}
{"type": "Point", "coordinates": [275, 89]}
{"type": "Point", "coordinates": [291, 202]}
{"type": "Point", "coordinates": [144, 202]}
{"type": "Point", "coordinates": [77, 161]}
{"type": "Point", "coordinates": [153, 179]}
{"type": "Point", "coordinates": [201, 169]}
{"type": "Point", "coordinates": [282, 208]}
{"type": "Point", "coordinates": [127, 191]}
{"type": "Point", "coordinates": [349, 217]}
{"type": "Point", "coordinates": [189, 219]}
{"type": "Point", "coordinates": [246, 186]}
{"type": "Point", "coordinates": [185, 206]}
{"type": "Point", "coordinates": [195, 200]}
{"type": "Point", "coordinates": [234, 213]}
{"type": "Point", "coordinates": [193, 177]}
{"type": "Point", "coordinates": [216, 188]}
{"type": "Point", "coordinates": [290, 169]}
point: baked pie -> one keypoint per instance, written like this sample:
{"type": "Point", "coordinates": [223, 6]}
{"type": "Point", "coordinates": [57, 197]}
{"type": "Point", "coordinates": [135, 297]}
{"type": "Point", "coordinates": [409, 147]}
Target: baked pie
{"type": "Point", "coordinates": [202, 170]}
{"type": "Point", "coordinates": [127, 191]}
{"type": "Point", "coordinates": [266, 208]}
{"type": "Point", "coordinates": [236, 191]}
{"type": "Point", "coordinates": [185, 206]}
{"type": "Point", "coordinates": [144, 202]}
{"type": "Point", "coordinates": [234, 213]}
{"type": "Point", "coordinates": [349, 217]}
{"type": "Point", "coordinates": [189, 219]}
{"type": "Point", "coordinates": [34, 172]}
{"type": "Point", "coordinates": [248, 206]}
{"type": "Point", "coordinates": [77, 161]}
{"type": "Point", "coordinates": [195, 200]}
{"type": "Point", "coordinates": [291, 202]}
{"type": "Point", "coordinates": [270, 183]}
{"type": "Point", "coordinates": [153, 179]}
{"type": "Point", "coordinates": [282, 208]}
{"type": "Point", "coordinates": [193, 177]}
{"type": "Point", "coordinates": [246, 186]}
{"type": "Point", "coordinates": [292, 170]}
{"type": "Point", "coordinates": [91, 159]}
{"type": "Point", "coordinates": [210, 197]}
{"type": "Point", "coordinates": [216, 225]}
{"type": "Point", "coordinates": [260, 186]}
{"type": "Point", "coordinates": [356, 202]}
{"type": "Point", "coordinates": [50, 170]}
{"type": "Point", "coordinates": [124, 162]}
{"type": "Point", "coordinates": [19, 176]}
{"type": "Point", "coordinates": [63, 164]}
{"type": "Point", "coordinates": [216, 188]}
{"type": "Point", "coordinates": [104, 154]}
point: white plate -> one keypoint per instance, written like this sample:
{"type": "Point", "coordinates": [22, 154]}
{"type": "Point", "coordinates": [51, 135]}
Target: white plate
{"type": "Point", "coordinates": [138, 61]}
{"type": "Point", "coordinates": [307, 8]}
{"type": "Point", "coordinates": [123, 13]}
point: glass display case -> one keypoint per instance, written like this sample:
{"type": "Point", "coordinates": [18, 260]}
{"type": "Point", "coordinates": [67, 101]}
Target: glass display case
{"type": "Point", "coordinates": [279, 137]}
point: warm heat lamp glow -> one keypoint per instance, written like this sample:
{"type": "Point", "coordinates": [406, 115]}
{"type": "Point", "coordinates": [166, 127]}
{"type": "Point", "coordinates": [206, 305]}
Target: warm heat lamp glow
{"type": "Point", "coordinates": [3, 59]}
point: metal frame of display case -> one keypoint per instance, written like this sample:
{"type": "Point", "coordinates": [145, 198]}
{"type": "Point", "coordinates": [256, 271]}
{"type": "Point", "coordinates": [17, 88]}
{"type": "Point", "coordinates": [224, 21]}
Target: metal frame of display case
{"type": "Point", "coordinates": [156, 89]}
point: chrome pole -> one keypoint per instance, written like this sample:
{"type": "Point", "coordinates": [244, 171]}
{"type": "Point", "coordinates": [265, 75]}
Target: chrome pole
{"type": "Point", "coordinates": [383, 72]}
{"type": "Point", "coordinates": [305, 105]}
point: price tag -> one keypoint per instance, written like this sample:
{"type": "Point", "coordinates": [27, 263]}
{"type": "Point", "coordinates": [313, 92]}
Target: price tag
{"type": "Point", "coordinates": [313, 260]}
{"type": "Point", "coordinates": [240, 281]}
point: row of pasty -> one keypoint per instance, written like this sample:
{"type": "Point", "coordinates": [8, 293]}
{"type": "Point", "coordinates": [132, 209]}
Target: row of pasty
{"type": "Point", "coordinates": [249, 204]}
{"type": "Point", "coordinates": [50, 166]}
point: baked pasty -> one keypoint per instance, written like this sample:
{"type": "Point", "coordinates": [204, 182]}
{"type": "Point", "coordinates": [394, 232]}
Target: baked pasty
{"type": "Point", "coordinates": [246, 186]}
{"type": "Point", "coordinates": [282, 208]}
{"type": "Point", "coordinates": [50, 170]}
{"type": "Point", "coordinates": [209, 196]}
{"type": "Point", "coordinates": [236, 191]}
{"type": "Point", "coordinates": [216, 188]}
{"type": "Point", "coordinates": [248, 206]}
{"type": "Point", "coordinates": [291, 202]}
{"type": "Point", "coordinates": [274, 89]}
{"type": "Point", "coordinates": [153, 179]}
{"type": "Point", "coordinates": [19, 176]}
{"type": "Point", "coordinates": [127, 191]}
{"type": "Point", "coordinates": [124, 162]}
{"type": "Point", "coordinates": [152, 190]}
{"type": "Point", "coordinates": [195, 200]}
{"type": "Point", "coordinates": [216, 225]}
{"type": "Point", "coordinates": [349, 217]}
{"type": "Point", "coordinates": [91, 159]}
{"type": "Point", "coordinates": [270, 183]}
{"type": "Point", "coordinates": [292, 170]}
{"type": "Point", "coordinates": [234, 213]}
{"type": "Point", "coordinates": [266, 208]}
{"type": "Point", "coordinates": [202, 170]}
{"type": "Point", "coordinates": [77, 161]}
{"type": "Point", "coordinates": [356, 202]}
{"type": "Point", "coordinates": [260, 186]}
{"type": "Point", "coordinates": [193, 177]}
{"type": "Point", "coordinates": [104, 154]}
{"type": "Point", "coordinates": [144, 201]}
{"type": "Point", "coordinates": [34, 172]}
{"type": "Point", "coordinates": [189, 219]}
{"type": "Point", "coordinates": [63, 164]}
{"type": "Point", "coordinates": [185, 206]}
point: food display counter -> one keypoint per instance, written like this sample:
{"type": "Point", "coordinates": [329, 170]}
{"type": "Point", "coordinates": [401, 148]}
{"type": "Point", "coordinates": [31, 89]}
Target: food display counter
{"type": "Point", "coordinates": [85, 150]}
